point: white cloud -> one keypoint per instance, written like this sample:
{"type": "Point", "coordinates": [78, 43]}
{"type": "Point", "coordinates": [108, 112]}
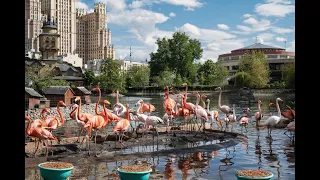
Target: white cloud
{"type": "Point", "coordinates": [255, 26]}
{"type": "Point", "coordinates": [82, 5]}
{"type": "Point", "coordinates": [214, 49]}
{"type": "Point", "coordinates": [266, 36]}
{"type": "Point", "coordinates": [136, 4]}
{"type": "Point", "coordinates": [90, 10]}
{"type": "Point", "coordinates": [279, 8]}
{"type": "Point", "coordinates": [281, 30]}
{"type": "Point", "coordinates": [280, 39]}
{"type": "Point", "coordinates": [186, 3]}
{"type": "Point", "coordinates": [189, 9]}
{"type": "Point", "coordinates": [223, 26]}
{"type": "Point", "coordinates": [247, 15]}
{"type": "Point", "coordinates": [205, 35]}
{"type": "Point", "coordinates": [172, 14]}
{"type": "Point", "coordinates": [114, 5]}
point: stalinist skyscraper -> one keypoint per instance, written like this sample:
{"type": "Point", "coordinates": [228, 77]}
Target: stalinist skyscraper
{"type": "Point", "coordinates": [93, 37]}
{"type": "Point", "coordinates": [64, 12]}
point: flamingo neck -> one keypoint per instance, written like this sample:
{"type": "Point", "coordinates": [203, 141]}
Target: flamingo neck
{"type": "Point", "coordinates": [76, 113]}
{"type": "Point", "coordinates": [259, 108]}
{"type": "Point", "coordinates": [219, 99]}
{"type": "Point", "coordinates": [278, 108]}
{"type": "Point", "coordinates": [79, 108]}
{"type": "Point", "coordinates": [203, 103]}
{"type": "Point", "coordinates": [72, 112]}
{"type": "Point", "coordinates": [197, 101]}
{"type": "Point", "coordinates": [128, 112]}
{"type": "Point", "coordinates": [208, 107]}
{"type": "Point", "coordinates": [43, 116]}
{"type": "Point", "coordinates": [234, 113]}
{"type": "Point", "coordinates": [98, 101]}
{"type": "Point", "coordinates": [61, 116]}
{"type": "Point", "coordinates": [106, 117]}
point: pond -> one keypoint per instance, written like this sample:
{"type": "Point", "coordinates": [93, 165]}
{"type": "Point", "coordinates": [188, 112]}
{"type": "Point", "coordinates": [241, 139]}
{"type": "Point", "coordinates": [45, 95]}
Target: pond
{"type": "Point", "coordinates": [277, 155]}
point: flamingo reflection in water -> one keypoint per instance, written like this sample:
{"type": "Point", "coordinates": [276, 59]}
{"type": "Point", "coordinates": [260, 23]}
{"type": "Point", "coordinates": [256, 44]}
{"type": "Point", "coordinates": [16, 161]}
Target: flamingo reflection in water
{"type": "Point", "coordinates": [169, 169]}
{"type": "Point", "coordinates": [226, 162]}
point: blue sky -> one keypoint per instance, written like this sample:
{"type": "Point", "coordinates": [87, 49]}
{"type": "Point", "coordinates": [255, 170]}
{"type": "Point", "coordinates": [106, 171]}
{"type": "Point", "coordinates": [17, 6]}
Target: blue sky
{"type": "Point", "coordinates": [220, 25]}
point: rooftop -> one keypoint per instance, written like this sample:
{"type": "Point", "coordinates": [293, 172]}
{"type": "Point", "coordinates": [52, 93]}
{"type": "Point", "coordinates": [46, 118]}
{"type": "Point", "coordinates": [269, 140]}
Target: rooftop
{"type": "Point", "coordinates": [259, 46]}
{"type": "Point", "coordinates": [60, 90]}
{"type": "Point", "coordinates": [32, 92]}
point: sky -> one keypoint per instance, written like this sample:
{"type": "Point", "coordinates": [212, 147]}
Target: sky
{"type": "Point", "coordinates": [220, 25]}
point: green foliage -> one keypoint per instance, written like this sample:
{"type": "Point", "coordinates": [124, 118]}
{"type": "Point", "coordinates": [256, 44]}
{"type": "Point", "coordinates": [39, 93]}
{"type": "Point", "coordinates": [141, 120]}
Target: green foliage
{"type": "Point", "coordinates": [242, 79]}
{"type": "Point", "coordinates": [176, 55]}
{"type": "Point", "coordinates": [289, 75]}
{"type": "Point", "coordinates": [166, 78]}
{"type": "Point", "coordinates": [88, 77]}
{"type": "Point", "coordinates": [256, 65]}
{"type": "Point", "coordinates": [178, 80]}
{"type": "Point", "coordinates": [211, 73]}
{"type": "Point", "coordinates": [41, 78]}
{"type": "Point", "coordinates": [278, 84]}
{"type": "Point", "coordinates": [138, 76]}
{"type": "Point", "coordinates": [111, 77]}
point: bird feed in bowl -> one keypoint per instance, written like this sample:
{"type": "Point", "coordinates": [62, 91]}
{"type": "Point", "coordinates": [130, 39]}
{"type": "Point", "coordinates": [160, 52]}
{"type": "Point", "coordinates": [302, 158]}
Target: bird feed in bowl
{"type": "Point", "coordinates": [135, 168]}
{"type": "Point", "coordinates": [257, 173]}
{"type": "Point", "coordinates": [57, 165]}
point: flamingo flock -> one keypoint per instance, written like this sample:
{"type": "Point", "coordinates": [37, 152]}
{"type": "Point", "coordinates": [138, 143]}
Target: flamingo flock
{"type": "Point", "coordinates": [121, 117]}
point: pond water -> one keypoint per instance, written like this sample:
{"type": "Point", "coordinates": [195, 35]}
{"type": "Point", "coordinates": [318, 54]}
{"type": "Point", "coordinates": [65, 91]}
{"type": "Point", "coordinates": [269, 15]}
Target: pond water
{"type": "Point", "coordinates": [277, 155]}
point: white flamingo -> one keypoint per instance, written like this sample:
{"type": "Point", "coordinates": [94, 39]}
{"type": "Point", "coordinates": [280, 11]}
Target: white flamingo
{"type": "Point", "coordinates": [224, 108]}
{"type": "Point", "coordinates": [79, 122]}
{"type": "Point", "coordinates": [119, 109]}
{"type": "Point", "coordinates": [273, 120]}
{"type": "Point", "coordinates": [258, 116]}
{"type": "Point", "coordinates": [232, 117]}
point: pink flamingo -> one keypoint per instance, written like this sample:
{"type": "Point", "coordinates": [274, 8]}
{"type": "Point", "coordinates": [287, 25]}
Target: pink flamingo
{"type": "Point", "coordinates": [290, 128]}
{"type": "Point", "coordinates": [200, 112]}
{"type": "Point", "coordinates": [168, 104]}
{"type": "Point", "coordinates": [188, 105]}
{"type": "Point", "coordinates": [273, 120]}
{"type": "Point", "coordinates": [244, 120]}
{"type": "Point", "coordinates": [119, 109]}
{"type": "Point", "coordinates": [40, 133]}
{"type": "Point", "coordinates": [122, 125]}
{"type": "Point", "coordinates": [258, 116]}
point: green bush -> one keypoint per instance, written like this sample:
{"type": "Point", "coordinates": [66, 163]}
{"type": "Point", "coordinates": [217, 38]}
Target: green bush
{"type": "Point", "coordinates": [242, 79]}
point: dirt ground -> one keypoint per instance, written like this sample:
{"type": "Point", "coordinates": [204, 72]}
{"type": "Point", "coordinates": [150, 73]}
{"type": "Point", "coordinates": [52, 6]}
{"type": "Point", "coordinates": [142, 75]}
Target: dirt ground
{"type": "Point", "coordinates": [71, 151]}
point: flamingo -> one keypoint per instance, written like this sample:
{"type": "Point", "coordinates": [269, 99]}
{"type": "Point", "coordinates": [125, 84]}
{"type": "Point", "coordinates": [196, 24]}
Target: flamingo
{"type": "Point", "coordinates": [258, 116]}
{"type": "Point", "coordinates": [290, 128]}
{"type": "Point", "coordinates": [168, 103]}
{"type": "Point", "coordinates": [145, 107]}
{"type": "Point", "coordinates": [224, 108]}
{"type": "Point", "coordinates": [52, 122]}
{"type": "Point", "coordinates": [111, 116]}
{"type": "Point", "coordinates": [203, 103]}
{"type": "Point", "coordinates": [82, 116]}
{"type": "Point", "coordinates": [96, 123]}
{"type": "Point", "coordinates": [119, 109]}
{"type": "Point", "coordinates": [232, 117]}
{"type": "Point", "coordinates": [122, 126]}
{"type": "Point", "coordinates": [273, 120]}
{"type": "Point", "coordinates": [200, 112]}
{"type": "Point", "coordinates": [216, 117]}
{"type": "Point", "coordinates": [153, 121]}
{"type": "Point", "coordinates": [244, 120]}
{"type": "Point", "coordinates": [40, 133]}
{"type": "Point", "coordinates": [188, 105]}
{"type": "Point", "coordinates": [289, 114]}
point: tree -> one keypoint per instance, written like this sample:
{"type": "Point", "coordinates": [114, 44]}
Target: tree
{"type": "Point", "coordinates": [88, 77]}
{"type": "Point", "coordinates": [176, 55]}
{"type": "Point", "coordinates": [39, 77]}
{"type": "Point", "coordinates": [138, 76]}
{"type": "Point", "coordinates": [111, 77]}
{"type": "Point", "coordinates": [211, 73]}
{"type": "Point", "coordinates": [289, 75]}
{"type": "Point", "coordinates": [165, 79]}
{"type": "Point", "coordinates": [242, 79]}
{"type": "Point", "coordinates": [256, 65]}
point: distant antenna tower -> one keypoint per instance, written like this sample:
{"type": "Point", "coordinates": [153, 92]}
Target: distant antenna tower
{"type": "Point", "coordinates": [285, 45]}
{"type": "Point", "coordinates": [130, 54]}
{"type": "Point", "coordinates": [256, 39]}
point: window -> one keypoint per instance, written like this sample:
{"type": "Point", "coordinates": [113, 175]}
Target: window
{"type": "Point", "coordinates": [272, 56]}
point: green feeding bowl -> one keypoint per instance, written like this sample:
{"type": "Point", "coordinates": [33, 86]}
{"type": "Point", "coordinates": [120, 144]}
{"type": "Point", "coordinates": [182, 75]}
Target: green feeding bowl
{"type": "Point", "coordinates": [257, 178]}
{"type": "Point", "coordinates": [143, 175]}
{"type": "Point", "coordinates": [53, 173]}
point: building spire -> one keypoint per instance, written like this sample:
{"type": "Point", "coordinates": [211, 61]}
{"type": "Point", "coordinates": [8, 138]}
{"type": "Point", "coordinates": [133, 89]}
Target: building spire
{"type": "Point", "coordinates": [256, 39]}
{"type": "Point", "coordinates": [285, 45]}
{"type": "Point", "coordinates": [130, 53]}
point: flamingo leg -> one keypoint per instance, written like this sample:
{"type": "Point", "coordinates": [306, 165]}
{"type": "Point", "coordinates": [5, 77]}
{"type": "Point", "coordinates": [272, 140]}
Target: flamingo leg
{"type": "Point", "coordinates": [88, 137]}
{"type": "Point", "coordinates": [38, 142]}
{"type": "Point", "coordinates": [95, 144]}
{"type": "Point", "coordinates": [80, 131]}
{"type": "Point", "coordinates": [46, 143]}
